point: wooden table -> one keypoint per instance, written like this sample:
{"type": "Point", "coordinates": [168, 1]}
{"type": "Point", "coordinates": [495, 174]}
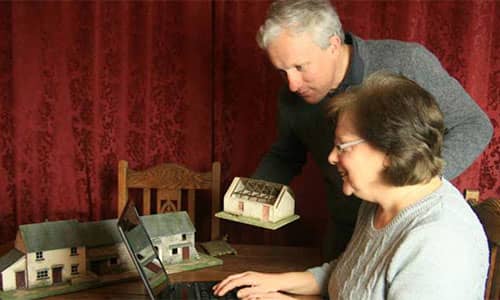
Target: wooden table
{"type": "Point", "coordinates": [250, 257]}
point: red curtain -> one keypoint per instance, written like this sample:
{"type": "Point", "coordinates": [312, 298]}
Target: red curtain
{"type": "Point", "coordinates": [84, 84]}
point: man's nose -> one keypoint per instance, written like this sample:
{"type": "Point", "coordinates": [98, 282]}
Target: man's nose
{"type": "Point", "coordinates": [333, 157]}
{"type": "Point", "coordinates": [294, 80]}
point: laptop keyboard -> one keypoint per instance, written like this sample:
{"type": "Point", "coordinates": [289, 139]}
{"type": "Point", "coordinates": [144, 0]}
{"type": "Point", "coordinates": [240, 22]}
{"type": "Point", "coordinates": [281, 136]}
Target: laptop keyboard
{"type": "Point", "coordinates": [206, 292]}
{"type": "Point", "coordinates": [197, 291]}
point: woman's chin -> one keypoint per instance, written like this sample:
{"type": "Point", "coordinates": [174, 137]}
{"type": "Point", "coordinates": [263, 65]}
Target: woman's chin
{"type": "Point", "coordinates": [347, 188]}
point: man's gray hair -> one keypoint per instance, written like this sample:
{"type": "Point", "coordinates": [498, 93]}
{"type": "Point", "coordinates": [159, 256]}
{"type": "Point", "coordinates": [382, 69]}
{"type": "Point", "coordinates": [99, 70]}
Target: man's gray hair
{"type": "Point", "coordinates": [317, 17]}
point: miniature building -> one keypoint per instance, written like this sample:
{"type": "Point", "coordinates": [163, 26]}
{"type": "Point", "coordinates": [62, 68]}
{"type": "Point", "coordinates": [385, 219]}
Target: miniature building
{"type": "Point", "coordinates": [52, 253]}
{"type": "Point", "coordinates": [68, 251]}
{"type": "Point", "coordinates": [264, 201]}
{"type": "Point", "coordinates": [173, 237]}
{"type": "Point", "coordinates": [12, 266]}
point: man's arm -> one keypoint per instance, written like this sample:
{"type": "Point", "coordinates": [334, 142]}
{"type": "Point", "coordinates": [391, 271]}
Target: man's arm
{"type": "Point", "coordinates": [468, 129]}
{"type": "Point", "coordinates": [287, 155]}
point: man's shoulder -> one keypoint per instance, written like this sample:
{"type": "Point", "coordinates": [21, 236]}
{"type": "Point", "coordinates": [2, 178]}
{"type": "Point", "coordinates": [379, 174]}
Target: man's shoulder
{"type": "Point", "coordinates": [388, 48]}
{"type": "Point", "coordinates": [386, 43]}
{"type": "Point", "coordinates": [392, 55]}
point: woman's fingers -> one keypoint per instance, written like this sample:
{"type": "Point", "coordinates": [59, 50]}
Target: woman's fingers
{"type": "Point", "coordinates": [267, 296]}
{"type": "Point", "coordinates": [231, 282]}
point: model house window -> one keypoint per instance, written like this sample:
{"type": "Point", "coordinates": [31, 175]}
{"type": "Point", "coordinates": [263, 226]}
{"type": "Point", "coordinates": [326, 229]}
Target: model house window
{"type": "Point", "coordinates": [113, 261]}
{"type": "Point", "coordinates": [74, 269]}
{"type": "Point", "coordinates": [183, 236]}
{"type": "Point", "coordinates": [74, 251]}
{"type": "Point", "coordinates": [174, 251]}
{"type": "Point", "coordinates": [42, 274]}
{"type": "Point", "coordinates": [39, 255]}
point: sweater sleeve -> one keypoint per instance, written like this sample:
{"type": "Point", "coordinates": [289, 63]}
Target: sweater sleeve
{"type": "Point", "coordinates": [287, 155]}
{"type": "Point", "coordinates": [468, 129]}
{"type": "Point", "coordinates": [438, 263]}
{"type": "Point", "coordinates": [322, 275]}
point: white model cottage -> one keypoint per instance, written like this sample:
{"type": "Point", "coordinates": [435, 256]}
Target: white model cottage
{"type": "Point", "coordinates": [172, 236]}
{"type": "Point", "coordinates": [45, 254]}
{"type": "Point", "coordinates": [69, 251]}
{"type": "Point", "coordinates": [262, 200]}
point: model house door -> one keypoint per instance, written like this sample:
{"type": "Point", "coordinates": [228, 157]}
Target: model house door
{"type": "Point", "coordinates": [240, 207]}
{"type": "Point", "coordinates": [20, 282]}
{"type": "Point", "coordinates": [265, 212]}
{"type": "Point", "coordinates": [57, 275]}
{"type": "Point", "coordinates": [185, 253]}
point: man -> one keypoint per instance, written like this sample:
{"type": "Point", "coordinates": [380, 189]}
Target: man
{"type": "Point", "coordinates": [305, 42]}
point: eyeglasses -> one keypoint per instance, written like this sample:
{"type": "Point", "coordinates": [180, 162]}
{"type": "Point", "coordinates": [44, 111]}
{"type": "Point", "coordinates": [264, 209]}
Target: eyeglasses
{"type": "Point", "coordinates": [344, 147]}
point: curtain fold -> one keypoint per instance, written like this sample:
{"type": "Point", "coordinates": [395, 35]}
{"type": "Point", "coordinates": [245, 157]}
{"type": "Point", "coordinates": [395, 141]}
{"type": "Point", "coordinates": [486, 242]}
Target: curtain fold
{"type": "Point", "coordinates": [85, 84]}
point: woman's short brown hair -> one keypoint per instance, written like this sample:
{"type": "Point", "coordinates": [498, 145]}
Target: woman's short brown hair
{"type": "Point", "coordinates": [398, 117]}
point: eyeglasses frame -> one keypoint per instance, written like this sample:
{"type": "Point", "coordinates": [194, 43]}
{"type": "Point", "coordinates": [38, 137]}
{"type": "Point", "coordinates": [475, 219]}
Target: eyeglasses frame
{"type": "Point", "coordinates": [341, 148]}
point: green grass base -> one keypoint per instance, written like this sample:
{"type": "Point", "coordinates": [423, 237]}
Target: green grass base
{"type": "Point", "coordinates": [256, 222]}
{"type": "Point", "coordinates": [205, 261]}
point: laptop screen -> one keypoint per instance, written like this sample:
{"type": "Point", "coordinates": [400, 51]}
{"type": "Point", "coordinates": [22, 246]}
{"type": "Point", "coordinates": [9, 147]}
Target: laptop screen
{"type": "Point", "coordinates": [141, 250]}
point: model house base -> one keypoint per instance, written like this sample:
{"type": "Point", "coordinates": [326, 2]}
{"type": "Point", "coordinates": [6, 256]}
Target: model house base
{"type": "Point", "coordinates": [258, 203]}
{"type": "Point", "coordinates": [257, 222]}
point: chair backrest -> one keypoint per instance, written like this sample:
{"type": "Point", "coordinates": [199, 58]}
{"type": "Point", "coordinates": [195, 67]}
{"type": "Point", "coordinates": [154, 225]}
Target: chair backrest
{"type": "Point", "coordinates": [171, 182]}
{"type": "Point", "coordinates": [488, 212]}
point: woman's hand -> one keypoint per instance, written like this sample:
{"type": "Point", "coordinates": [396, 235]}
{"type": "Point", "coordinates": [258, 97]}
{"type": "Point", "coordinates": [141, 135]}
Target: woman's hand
{"type": "Point", "coordinates": [267, 285]}
{"type": "Point", "coordinates": [252, 283]}
{"type": "Point", "coordinates": [268, 296]}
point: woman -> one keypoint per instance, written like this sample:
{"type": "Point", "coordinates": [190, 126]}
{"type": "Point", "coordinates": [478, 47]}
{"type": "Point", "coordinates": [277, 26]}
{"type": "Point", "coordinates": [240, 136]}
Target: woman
{"type": "Point", "coordinates": [415, 236]}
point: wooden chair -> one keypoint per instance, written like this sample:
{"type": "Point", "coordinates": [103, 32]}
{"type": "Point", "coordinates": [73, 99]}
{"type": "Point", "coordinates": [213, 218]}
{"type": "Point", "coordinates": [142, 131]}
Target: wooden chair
{"type": "Point", "coordinates": [488, 212]}
{"type": "Point", "coordinates": [171, 182]}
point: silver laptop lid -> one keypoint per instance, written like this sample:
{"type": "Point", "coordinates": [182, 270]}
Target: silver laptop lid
{"type": "Point", "coordinates": [142, 251]}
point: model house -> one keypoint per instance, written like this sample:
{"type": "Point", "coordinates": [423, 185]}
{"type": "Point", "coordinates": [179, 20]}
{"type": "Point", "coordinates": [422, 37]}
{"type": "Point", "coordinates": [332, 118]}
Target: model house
{"type": "Point", "coordinates": [45, 254]}
{"type": "Point", "coordinates": [49, 253]}
{"type": "Point", "coordinates": [173, 237]}
{"type": "Point", "coordinates": [252, 201]}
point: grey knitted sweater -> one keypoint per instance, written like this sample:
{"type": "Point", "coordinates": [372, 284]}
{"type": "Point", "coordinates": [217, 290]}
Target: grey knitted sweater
{"type": "Point", "coordinates": [434, 249]}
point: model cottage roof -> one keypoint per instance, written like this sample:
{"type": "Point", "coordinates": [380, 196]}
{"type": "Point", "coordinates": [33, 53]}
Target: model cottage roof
{"type": "Point", "coordinates": [168, 224]}
{"type": "Point", "coordinates": [66, 234]}
{"type": "Point", "coordinates": [258, 190]}
{"type": "Point", "coordinates": [51, 235]}
{"type": "Point", "coordinates": [159, 225]}
{"type": "Point", "coordinates": [100, 233]}
{"type": "Point", "coordinates": [8, 259]}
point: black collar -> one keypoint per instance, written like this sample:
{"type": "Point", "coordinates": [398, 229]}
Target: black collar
{"type": "Point", "coordinates": [354, 75]}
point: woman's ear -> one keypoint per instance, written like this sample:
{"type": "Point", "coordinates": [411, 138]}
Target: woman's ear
{"type": "Point", "coordinates": [387, 161]}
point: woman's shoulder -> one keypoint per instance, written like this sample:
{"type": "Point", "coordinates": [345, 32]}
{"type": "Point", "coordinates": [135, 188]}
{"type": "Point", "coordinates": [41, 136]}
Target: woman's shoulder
{"type": "Point", "coordinates": [448, 221]}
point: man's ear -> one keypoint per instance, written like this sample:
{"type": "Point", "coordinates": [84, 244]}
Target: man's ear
{"type": "Point", "coordinates": [335, 43]}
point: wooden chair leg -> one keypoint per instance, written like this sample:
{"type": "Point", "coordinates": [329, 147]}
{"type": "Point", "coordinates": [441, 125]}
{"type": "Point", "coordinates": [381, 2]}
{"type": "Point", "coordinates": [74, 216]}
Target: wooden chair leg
{"type": "Point", "coordinates": [491, 274]}
{"type": "Point", "coordinates": [146, 201]}
{"type": "Point", "coordinates": [191, 206]}
{"type": "Point", "coordinates": [215, 205]}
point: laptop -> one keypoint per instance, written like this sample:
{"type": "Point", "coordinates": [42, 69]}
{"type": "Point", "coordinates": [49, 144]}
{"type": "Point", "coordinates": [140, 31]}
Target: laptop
{"type": "Point", "coordinates": [150, 267]}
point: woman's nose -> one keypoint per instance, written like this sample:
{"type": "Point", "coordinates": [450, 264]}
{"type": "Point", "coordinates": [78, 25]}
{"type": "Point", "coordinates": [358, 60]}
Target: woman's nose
{"type": "Point", "coordinates": [333, 157]}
